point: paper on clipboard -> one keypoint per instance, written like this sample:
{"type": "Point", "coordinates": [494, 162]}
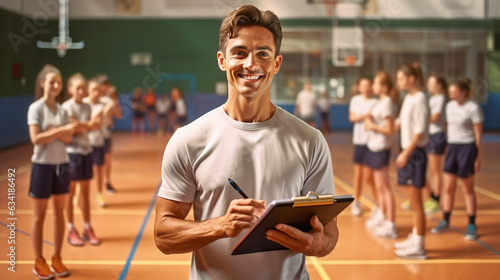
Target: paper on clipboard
{"type": "Point", "coordinates": [296, 212]}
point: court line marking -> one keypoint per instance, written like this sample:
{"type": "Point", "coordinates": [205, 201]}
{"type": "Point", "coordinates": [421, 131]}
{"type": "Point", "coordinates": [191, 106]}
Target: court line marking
{"type": "Point", "coordinates": [138, 237]}
{"type": "Point", "coordinates": [19, 170]}
{"type": "Point", "coordinates": [316, 260]}
{"type": "Point", "coordinates": [487, 192]}
{"type": "Point", "coordinates": [26, 233]}
{"type": "Point", "coordinates": [348, 188]}
{"type": "Point", "coordinates": [319, 268]}
{"type": "Point", "coordinates": [124, 212]}
{"type": "Point", "coordinates": [117, 212]}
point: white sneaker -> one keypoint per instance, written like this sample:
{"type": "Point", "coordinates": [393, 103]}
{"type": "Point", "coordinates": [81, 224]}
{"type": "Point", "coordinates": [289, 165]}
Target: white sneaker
{"type": "Point", "coordinates": [386, 230]}
{"type": "Point", "coordinates": [405, 243]}
{"type": "Point", "coordinates": [356, 209]}
{"type": "Point", "coordinates": [414, 251]}
{"type": "Point", "coordinates": [375, 220]}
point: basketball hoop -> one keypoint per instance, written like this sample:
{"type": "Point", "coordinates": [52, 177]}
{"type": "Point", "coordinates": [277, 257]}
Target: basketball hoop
{"type": "Point", "coordinates": [350, 60]}
{"type": "Point", "coordinates": [62, 46]}
{"type": "Point", "coordinates": [330, 6]}
{"type": "Point", "coordinates": [61, 49]}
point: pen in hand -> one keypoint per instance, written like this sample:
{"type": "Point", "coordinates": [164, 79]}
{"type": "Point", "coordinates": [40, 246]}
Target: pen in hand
{"type": "Point", "coordinates": [237, 188]}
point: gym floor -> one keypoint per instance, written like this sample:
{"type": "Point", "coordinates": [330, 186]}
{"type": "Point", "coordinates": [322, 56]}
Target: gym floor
{"type": "Point", "coordinates": [125, 225]}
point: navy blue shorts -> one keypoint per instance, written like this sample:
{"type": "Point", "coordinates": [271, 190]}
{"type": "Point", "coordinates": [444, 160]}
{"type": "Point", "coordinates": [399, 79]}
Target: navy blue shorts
{"type": "Point", "coordinates": [413, 173]}
{"type": "Point", "coordinates": [80, 167]}
{"type": "Point", "coordinates": [378, 160]}
{"type": "Point", "coordinates": [360, 152]}
{"type": "Point", "coordinates": [437, 144]}
{"type": "Point", "coordinates": [460, 159]}
{"type": "Point", "coordinates": [47, 179]}
{"type": "Point", "coordinates": [98, 156]}
{"type": "Point", "coordinates": [107, 145]}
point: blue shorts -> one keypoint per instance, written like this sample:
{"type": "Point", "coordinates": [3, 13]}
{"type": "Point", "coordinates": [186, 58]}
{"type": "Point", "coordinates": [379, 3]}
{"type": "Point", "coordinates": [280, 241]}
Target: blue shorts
{"type": "Point", "coordinates": [98, 156]}
{"type": "Point", "coordinates": [378, 160]}
{"type": "Point", "coordinates": [107, 145]}
{"type": "Point", "coordinates": [360, 152]}
{"type": "Point", "coordinates": [47, 179]}
{"type": "Point", "coordinates": [437, 144]}
{"type": "Point", "coordinates": [460, 159]}
{"type": "Point", "coordinates": [80, 167]}
{"type": "Point", "coordinates": [413, 173]}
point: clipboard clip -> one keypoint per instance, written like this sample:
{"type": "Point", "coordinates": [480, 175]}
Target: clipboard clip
{"type": "Point", "coordinates": [312, 199]}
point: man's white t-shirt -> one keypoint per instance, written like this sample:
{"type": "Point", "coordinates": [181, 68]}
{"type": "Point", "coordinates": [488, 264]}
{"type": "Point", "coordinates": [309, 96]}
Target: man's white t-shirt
{"type": "Point", "coordinates": [279, 158]}
{"type": "Point", "coordinates": [360, 106]}
{"type": "Point", "coordinates": [377, 141]}
{"type": "Point", "coordinates": [461, 120]}
{"type": "Point", "coordinates": [437, 103]}
{"type": "Point", "coordinates": [414, 119]}
{"type": "Point", "coordinates": [307, 103]}
{"type": "Point", "coordinates": [81, 112]}
{"type": "Point", "coordinates": [53, 152]}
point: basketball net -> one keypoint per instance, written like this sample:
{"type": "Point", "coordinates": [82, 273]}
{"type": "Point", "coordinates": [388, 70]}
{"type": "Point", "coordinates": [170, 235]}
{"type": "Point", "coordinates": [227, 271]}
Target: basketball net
{"type": "Point", "coordinates": [330, 7]}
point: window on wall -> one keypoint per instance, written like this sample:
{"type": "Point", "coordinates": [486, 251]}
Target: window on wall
{"type": "Point", "coordinates": [307, 56]}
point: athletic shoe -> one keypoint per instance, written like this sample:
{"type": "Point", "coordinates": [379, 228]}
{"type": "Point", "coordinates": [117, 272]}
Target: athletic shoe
{"type": "Point", "coordinates": [431, 206]}
{"type": "Point", "coordinates": [110, 188]}
{"type": "Point", "coordinates": [442, 226]}
{"type": "Point", "coordinates": [74, 238]}
{"type": "Point", "coordinates": [42, 270]}
{"type": "Point", "coordinates": [414, 251]}
{"type": "Point", "coordinates": [58, 267]}
{"type": "Point", "coordinates": [356, 209]}
{"type": "Point", "coordinates": [90, 237]}
{"type": "Point", "coordinates": [405, 243]}
{"type": "Point", "coordinates": [386, 230]}
{"type": "Point", "coordinates": [376, 219]}
{"type": "Point", "coordinates": [405, 205]}
{"type": "Point", "coordinates": [100, 200]}
{"type": "Point", "coordinates": [471, 232]}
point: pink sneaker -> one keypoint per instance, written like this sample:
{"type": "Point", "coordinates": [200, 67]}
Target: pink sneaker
{"type": "Point", "coordinates": [74, 238]}
{"type": "Point", "coordinates": [90, 237]}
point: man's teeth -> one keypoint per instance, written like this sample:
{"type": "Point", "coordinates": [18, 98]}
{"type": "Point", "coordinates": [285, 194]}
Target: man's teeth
{"type": "Point", "coordinates": [250, 77]}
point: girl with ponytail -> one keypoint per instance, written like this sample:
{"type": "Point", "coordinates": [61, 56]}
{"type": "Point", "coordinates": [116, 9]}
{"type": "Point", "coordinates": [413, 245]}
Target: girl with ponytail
{"type": "Point", "coordinates": [465, 124]}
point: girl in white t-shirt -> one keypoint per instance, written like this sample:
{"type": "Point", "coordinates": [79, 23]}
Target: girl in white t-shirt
{"type": "Point", "coordinates": [180, 107]}
{"type": "Point", "coordinates": [49, 130]}
{"type": "Point", "coordinates": [80, 154]}
{"type": "Point", "coordinates": [359, 109]}
{"type": "Point", "coordinates": [380, 129]}
{"type": "Point", "coordinates": [465, 124]}
{"type": "Point", "coordinates": [437, 87]}
{"type": "Point", "coordinates": [412, 161]}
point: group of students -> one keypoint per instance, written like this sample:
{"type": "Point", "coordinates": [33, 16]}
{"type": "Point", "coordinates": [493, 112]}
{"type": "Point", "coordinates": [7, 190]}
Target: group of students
{"type": "Point", "coordinates": [72, 144]}
{"type": "Point", "coordinates": [448, 124]}
{"type": "Point", "coordinates": [169, 111]}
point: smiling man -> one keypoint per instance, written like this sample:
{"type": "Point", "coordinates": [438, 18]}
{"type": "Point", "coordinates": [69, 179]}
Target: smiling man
{"type": "Point", "coordinates": [270, 153]}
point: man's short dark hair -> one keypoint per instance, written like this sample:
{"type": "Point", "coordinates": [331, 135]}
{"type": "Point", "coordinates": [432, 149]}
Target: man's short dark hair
{"type": "Point", "coordinates": [249, 15]}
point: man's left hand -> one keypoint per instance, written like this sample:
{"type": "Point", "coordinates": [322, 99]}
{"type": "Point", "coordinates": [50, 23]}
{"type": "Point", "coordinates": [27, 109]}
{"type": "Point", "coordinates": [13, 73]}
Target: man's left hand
{"type": "Point", "coordinates": [311, 243]}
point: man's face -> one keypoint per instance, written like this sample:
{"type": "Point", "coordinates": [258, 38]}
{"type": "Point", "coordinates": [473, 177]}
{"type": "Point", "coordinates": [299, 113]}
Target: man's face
{"type": "Point", "coordinates": [249, 61]}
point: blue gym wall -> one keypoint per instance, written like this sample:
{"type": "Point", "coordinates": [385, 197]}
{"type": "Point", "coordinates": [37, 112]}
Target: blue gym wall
{"type": "Point", "coordinates": [15, 130]}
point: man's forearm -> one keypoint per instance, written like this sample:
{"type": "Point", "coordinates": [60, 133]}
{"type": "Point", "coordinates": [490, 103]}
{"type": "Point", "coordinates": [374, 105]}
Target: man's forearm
{"type": "Point", "coordinates": [176, 236]}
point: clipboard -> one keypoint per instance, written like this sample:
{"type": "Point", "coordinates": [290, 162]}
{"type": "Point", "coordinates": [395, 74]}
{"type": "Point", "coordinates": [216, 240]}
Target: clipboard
{"type": "Point", "coordinates": [296, 212]}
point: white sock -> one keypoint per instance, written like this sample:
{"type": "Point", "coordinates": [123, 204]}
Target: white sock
{"type": "Point", "coordinates": [70, 225]}
{"type": "Point", "coordinates": [420, 239]}
{"type": "Point", "coordinates": [86, 225]}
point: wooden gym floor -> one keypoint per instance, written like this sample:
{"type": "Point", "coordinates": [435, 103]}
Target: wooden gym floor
{"type": "Point", "coordinates": [126, 224]}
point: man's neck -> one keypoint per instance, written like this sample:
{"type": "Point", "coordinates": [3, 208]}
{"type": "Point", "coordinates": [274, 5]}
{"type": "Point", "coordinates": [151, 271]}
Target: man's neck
{"type": "Point", "coordinates": [244, 109]}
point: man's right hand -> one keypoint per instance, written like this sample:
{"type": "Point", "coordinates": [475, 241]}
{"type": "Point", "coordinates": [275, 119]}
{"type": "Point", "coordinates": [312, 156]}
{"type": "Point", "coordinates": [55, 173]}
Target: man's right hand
{"type": "Point", "coordinates": [241, 214]}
